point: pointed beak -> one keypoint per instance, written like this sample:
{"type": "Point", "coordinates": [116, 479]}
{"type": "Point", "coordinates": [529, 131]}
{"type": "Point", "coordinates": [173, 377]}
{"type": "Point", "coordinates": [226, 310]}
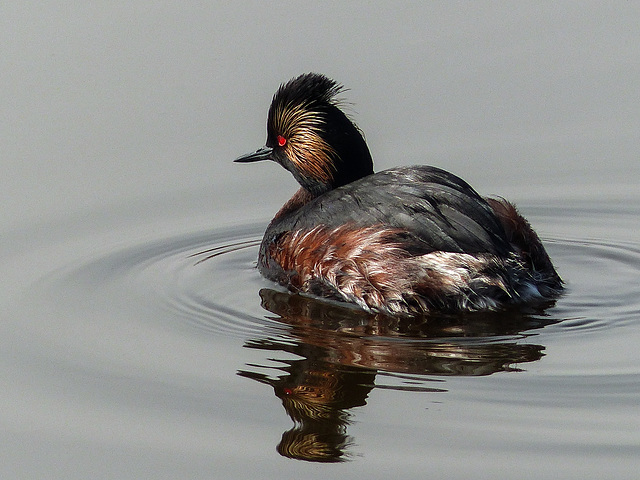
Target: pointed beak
{"type": "Point", "coordinates": [263, 153]}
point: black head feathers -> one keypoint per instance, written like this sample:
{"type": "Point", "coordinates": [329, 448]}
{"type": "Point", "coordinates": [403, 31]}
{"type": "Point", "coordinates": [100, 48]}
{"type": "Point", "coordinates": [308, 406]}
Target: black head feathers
{"type": "Point", "coordinates": [312, 89]}
{"type": "Point", "coordinates": [312, 138]}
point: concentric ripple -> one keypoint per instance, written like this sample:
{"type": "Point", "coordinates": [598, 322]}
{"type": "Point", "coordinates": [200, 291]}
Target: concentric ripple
{"type": "Point", "coordinates": [602, 283]}
{"type": "Point", "coordinates": [202, 280]}
{"type": "Point", "coordinates": [208, 280]}
{"type": "Point", "coordinates": [190, 318]}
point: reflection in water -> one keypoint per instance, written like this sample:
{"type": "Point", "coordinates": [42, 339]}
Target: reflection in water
{"type": "Point", "coordinates": [342, 350]}
{"type": "Point", "coordinates": [317, 394]}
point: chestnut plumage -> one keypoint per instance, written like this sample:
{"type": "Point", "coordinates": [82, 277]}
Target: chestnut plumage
{"type": "Point", "coordinates": [407, 240]}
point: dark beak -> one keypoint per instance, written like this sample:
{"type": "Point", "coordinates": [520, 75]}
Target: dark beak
{"type": "Point", "coordinates": [263, 153]}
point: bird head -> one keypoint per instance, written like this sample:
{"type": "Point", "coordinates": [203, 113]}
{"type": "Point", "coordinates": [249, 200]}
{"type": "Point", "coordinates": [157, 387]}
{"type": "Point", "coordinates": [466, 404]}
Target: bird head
{"type": "Point", "coordinates": [309, 135]}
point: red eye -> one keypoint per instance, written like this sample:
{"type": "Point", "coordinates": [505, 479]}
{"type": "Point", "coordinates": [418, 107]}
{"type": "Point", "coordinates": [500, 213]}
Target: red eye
{"type": "Point", "coordinates": [281, 141]}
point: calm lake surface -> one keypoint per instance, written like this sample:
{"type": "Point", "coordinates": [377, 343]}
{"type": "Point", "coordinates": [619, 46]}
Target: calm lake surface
{"type": "Point", "coordinates": [137, 339]}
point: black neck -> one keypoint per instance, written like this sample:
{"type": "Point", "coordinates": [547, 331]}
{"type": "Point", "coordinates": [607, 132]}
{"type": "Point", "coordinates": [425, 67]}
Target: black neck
{"type": "Point", "coordinates": [353, 157]}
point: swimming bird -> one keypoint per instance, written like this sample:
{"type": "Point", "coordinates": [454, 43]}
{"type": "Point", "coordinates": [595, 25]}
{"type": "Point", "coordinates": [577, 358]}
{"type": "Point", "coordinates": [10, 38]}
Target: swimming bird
{"type": "Point", "coordinates": [403, 241]}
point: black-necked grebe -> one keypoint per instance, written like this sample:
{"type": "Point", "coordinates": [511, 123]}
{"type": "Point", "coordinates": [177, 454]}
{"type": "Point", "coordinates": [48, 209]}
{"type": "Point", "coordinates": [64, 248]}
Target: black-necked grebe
{"type": "Point", "coordinates": [406, 240]}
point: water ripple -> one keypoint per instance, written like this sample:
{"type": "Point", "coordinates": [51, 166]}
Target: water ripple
{"type": "Point", "coordinates": [207, 280]}
{"type": "Point", "coordinates": [160, 314]}
{"type": "Point", "coordinates": [602, 283]}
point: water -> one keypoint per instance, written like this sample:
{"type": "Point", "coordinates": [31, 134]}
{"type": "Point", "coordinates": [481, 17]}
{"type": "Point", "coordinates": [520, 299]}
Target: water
{"type": "Point", "coordinates": [137, 338]}
{"type": "Point", "coordinates": [166, 354]}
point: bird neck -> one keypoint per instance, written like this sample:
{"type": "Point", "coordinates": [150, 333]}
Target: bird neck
{"type": "Point", "coordinates": [299, 199]}
{"type": "Point", "coordinates": [350, 159]}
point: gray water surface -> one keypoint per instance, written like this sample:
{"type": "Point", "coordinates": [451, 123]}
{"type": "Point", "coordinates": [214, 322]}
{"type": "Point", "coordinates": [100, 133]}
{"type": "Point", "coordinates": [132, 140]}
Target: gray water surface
{"type": "Point", "coordinates": [137, 338]}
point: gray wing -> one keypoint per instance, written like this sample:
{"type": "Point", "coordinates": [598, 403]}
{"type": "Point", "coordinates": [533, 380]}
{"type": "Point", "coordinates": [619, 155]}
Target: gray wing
{"type": "Point", "coordinates": [436, 210]}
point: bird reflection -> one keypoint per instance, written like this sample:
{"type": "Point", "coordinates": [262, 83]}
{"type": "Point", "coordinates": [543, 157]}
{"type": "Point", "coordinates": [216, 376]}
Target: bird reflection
{"type": "Point", "coordinates": [341, 351]}
{"type": "Point", "coordinates": [317, 396]}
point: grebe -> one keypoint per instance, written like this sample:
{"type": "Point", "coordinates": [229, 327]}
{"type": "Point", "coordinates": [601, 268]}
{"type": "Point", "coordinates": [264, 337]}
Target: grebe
{"type": "Point", "coordinates": [407, 240]}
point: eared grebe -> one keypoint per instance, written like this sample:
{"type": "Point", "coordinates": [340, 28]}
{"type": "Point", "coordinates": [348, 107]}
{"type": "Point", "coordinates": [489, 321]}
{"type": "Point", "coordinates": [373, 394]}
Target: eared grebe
{"type": "Point", "coordinates": [407, 240]}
